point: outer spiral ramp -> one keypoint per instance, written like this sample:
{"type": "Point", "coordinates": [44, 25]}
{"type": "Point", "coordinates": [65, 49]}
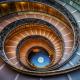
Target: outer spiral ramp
{"type": "Point", "coordinates": [57, 27]}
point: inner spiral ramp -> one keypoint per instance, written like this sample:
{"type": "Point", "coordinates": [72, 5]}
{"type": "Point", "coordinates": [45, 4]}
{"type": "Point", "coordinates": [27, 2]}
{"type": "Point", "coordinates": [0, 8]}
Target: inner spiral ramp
{"type": "Point", "coordinates": [35, 29]}
{"type": "Point", "coordinates": [22, 31]}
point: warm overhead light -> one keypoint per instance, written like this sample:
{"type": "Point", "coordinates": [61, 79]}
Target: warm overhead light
{"type": "Point", "coordinates": [4, 5]}
{"type": "Point", "coordinates": [36, 50]}
{"type": "Point", "coordinates": [22, 2]}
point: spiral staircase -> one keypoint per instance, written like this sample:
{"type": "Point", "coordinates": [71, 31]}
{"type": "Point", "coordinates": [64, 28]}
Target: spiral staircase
{"type": "Point", "coordinates": [39, 40]}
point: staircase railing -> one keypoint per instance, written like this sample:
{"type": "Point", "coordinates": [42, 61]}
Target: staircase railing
{"type": "Point", "coordinates": [74, 3]}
